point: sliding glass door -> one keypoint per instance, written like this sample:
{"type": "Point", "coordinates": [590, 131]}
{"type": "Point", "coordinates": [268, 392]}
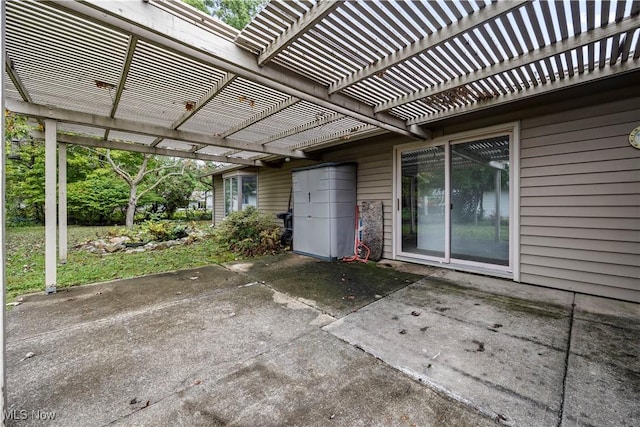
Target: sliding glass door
{"type": "Point", "coordinates": [423, 204]}
{"type": "Point", "coordinates": [480, 201]}
{"type": "Point", "coordinates": [454, 202]}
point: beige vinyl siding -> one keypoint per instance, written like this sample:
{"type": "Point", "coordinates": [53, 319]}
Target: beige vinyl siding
{"type": "Point", "coordinates": [274, 186]}
{"type": "Point", "coordinates": [374, 179]}
{"type": "Point", "coordinates": [580, 200]}
{"type": "Point", "coordinates": [218, 199]}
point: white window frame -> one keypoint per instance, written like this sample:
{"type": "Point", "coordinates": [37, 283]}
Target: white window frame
{"type": "Point", "coordinates": [237, 174]}
{"type": "Point", "coordinates": [511, 271]}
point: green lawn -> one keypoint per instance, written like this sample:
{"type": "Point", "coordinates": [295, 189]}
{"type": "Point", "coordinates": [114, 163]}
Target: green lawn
{"type": "Point", "coordinates": [25, 260]}
{"type": "Point", "coordinates": [465, 231]}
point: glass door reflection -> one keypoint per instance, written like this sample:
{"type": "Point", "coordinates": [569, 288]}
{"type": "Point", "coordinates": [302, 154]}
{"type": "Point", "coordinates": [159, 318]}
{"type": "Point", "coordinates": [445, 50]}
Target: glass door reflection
{"type": "Point", "coordinates": [423, 201]}
{"type": "Point", "coordinates": [480, 201]}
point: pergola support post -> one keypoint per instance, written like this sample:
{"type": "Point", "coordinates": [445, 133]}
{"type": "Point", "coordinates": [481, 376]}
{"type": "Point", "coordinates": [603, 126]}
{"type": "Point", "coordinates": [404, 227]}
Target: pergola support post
{"type": "Point", "coordinates": [3, 264]}
{"type": "Point", "coordinates": [50, 208]}
{"type": "Point", "coordinates": [62, 203]}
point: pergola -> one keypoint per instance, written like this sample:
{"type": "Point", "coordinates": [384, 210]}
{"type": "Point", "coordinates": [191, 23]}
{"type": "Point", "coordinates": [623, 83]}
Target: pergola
{"type": "Point", "coordinates": [159, 77]}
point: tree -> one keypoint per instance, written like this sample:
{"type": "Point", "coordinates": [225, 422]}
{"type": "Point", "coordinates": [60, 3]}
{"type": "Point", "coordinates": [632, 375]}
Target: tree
{"type": "Point", "coordinates": [175, 193]}
{"type": "Point", "coordinates": [100, 198]}
{"type": "Point", "coordinates": [237, 13]}
{"type": "Point", "coordinates": [136, 174]}
{"type": "Point", "coordinates": [201, 5]}
{"type": "Point", "coordinates": [24, 171]}
{"type": "Point", "coordinates": [25, 182]}
{"type": "Point", "coordinates": [102, 185]}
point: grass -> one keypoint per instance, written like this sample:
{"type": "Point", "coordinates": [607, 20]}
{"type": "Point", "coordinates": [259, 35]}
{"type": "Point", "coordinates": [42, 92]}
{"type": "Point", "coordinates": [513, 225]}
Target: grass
{"type": "Point", "coordinates": [465, 231]}
{"type": "Point", "coordinates": [25, 260]}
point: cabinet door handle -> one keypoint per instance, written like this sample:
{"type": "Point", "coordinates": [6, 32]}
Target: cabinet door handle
{"type": "Point", "coordinates": [309, 197]}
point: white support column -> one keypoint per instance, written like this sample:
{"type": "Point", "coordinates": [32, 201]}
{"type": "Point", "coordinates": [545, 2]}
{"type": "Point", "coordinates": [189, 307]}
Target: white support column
{"type": "Point", "coordinates": [62, 202]}
{"type": "Point", "coordinates": [50, 227]}
{"type": "Point", "coordinates": [3, 265]}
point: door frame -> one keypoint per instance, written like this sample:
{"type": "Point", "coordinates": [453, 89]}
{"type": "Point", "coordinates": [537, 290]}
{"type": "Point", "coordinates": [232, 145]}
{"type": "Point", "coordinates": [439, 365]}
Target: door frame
{"type": "Point", "coordinates": [512, 271]}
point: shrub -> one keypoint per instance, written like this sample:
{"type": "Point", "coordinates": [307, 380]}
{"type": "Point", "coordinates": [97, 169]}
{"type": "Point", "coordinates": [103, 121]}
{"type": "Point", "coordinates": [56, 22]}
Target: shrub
{"type": "Point", "coordinates": [147, 215]}
{"type": "Point", "coordinates": [153, 231]}
{"type": "Point", "coordinates": [97, 200]}
{"type": "Point", "coordinates": [161, 231]}
{"type": "Point", "coordinates": [248, 233]}
{"type": "Point", "coordinates": [132, 234]}
{"type": "Point", "coordinates": [191, 214]}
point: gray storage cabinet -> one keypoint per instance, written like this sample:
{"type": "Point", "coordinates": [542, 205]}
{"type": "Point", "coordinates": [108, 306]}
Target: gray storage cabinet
{"type": "Point", "coordinates": [324, 203]}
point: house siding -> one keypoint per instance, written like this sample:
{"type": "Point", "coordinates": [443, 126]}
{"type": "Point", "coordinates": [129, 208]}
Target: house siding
{"type": "Point", "coordinates": [374, 179]}
{"type": "Point", "coordinates": [218, 199]}
{"type": "Point", "coordinates": [579, 195]}
{"type": "Point", "coordinates": [580, 200]}
{"type": "Point", "coordinates": [274, 186]}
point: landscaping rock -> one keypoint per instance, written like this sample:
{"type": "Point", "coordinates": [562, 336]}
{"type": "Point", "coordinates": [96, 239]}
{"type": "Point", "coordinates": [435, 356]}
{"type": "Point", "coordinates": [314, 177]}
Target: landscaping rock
{"type": "Point", "coordinates": [133, 244]}
{"type": "Point", "coordinates": [112, 248]}
{"type": "Point", "coordinates": [125, 243]}
{"type": "Point", "coordinates": [135, 250]}
{"type": "Point", "coordinates": [118, 240]}
{"type": "Point", "coordinates": [161, 245]}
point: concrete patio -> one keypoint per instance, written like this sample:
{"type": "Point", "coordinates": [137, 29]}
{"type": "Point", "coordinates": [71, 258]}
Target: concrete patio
{"type": "Point", "coordinates": [290, 340]}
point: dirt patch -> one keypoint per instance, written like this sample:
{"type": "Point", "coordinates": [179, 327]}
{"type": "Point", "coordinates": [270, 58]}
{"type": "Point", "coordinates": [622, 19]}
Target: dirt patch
{"type": "Point", "coordinates": [337, 288]}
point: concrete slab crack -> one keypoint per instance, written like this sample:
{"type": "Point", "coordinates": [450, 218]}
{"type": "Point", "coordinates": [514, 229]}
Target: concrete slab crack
{"type": "Point", "coordinates": [566, 363]}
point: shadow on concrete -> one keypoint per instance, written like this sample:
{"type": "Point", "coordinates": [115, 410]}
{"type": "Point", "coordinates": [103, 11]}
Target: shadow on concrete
{"type": "Point", "coordinates": [337, 288]}
{"type": "Point", "coordinates": [202, 347]}
{"type": "Point", "coordinates": [290, 340]}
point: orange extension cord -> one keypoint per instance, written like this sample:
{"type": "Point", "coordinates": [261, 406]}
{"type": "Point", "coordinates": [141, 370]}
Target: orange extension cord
{"type": "Point", "coordinates": [359, 247]}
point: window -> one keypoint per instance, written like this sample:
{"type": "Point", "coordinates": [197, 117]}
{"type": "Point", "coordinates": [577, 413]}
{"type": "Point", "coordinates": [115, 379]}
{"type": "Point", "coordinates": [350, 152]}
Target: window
{"type": "Point", "coordinates": [454, 201]}
{"type": "Point", "coordinates": [240, 191]}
